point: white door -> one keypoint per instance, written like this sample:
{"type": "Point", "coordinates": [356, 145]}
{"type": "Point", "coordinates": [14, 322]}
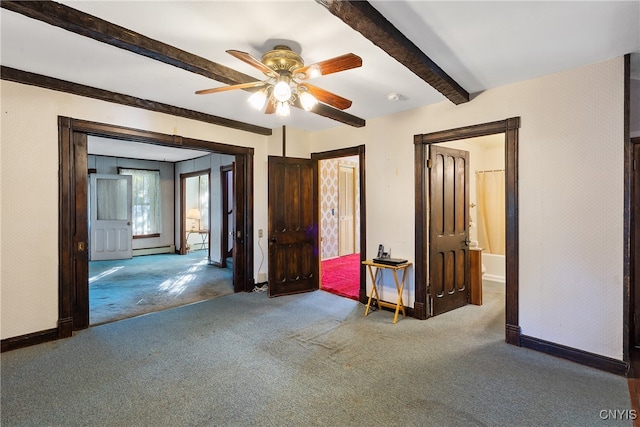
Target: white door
{"type": "Point", "coordinates": [346, 210]}
{"type": "Point", "coordinates": [110, 226]}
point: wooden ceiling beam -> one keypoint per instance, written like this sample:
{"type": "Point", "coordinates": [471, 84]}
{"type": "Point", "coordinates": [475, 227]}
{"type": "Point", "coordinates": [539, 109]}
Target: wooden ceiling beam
{"type": "Point", "coordinates": [81, 23]}
{"type": "Point", "coordinates": [33, 79]}
{"type": "Point", "coordinates": [364, 18]}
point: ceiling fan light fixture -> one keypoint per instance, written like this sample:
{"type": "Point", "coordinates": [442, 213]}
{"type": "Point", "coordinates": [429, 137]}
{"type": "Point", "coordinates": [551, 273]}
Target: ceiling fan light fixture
{"type": "Point", "coordinates": [258, 100]}
{"type": "Point", "coordinates": [283, 109]}
{"type": "Point", "coordinates": [282, 90]}
{"type": "Point", "coordinates": [308, 101]}
{"type": "Point", "coordinates": [313, 71]}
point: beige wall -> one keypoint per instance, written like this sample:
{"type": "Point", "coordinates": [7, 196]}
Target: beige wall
{"type": "Point", "coordinates": [571, 231]}
{"type": "Point", "coordinates": [570, 189]}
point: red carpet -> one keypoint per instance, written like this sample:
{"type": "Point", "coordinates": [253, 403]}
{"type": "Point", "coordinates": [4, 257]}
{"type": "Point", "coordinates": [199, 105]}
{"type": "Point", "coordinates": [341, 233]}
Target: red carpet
{"type": "Point", "coordinates": [341, 276]}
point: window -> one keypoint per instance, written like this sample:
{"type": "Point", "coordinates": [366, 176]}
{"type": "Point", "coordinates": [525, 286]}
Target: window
{"type": "Point", "coordinates": [146, 217]}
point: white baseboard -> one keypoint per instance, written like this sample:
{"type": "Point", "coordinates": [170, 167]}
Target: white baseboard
{"type": "Point", "coordinates": [154, 251]}
{"type": "Point", "coordinates": [493, 278]}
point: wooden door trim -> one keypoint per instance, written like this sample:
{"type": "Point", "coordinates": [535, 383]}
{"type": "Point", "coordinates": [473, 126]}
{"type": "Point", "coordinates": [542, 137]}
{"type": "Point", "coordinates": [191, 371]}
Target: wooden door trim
{"type": "Point", "coordinates": [224, 203]}
{"type": "Point", "coordinates": [510, 128]}
{"type": "Point", "coordinates": [72, 209]}
{"type": "Point", "coordinates": [629, 281]}
{"type": "Point", "coordinates": [360, 152]}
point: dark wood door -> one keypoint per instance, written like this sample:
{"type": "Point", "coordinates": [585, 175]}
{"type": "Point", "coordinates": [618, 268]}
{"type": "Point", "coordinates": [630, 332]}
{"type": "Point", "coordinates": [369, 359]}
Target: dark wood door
{"type": "Point", "coordinates": [448, 229]}
{"type": "Point", "coordinates": [635, 232]}
{"type": "Point", "coordinates": [293, 226]}
{"type": "Point", "coordinates": [241, 214]}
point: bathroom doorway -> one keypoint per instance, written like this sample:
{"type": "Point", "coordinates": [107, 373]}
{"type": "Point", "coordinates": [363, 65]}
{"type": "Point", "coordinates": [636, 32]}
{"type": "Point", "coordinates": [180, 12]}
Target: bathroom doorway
{"type": "Point", "coordinates": [508, 130]}
{"type": "Point", "coordinates": [486, 201]}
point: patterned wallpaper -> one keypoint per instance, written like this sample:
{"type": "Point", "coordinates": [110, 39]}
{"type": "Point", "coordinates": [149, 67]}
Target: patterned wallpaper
{"type": "Point", "coordinates": [329, 204]}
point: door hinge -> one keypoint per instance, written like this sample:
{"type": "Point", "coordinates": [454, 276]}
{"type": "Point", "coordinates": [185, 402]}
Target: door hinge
{"type": "Point", "coordinates": [429, 163]}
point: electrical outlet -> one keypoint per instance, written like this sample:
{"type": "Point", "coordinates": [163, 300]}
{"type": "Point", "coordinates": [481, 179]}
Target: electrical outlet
{"type": "Point", "coordinates": [262, 277]}
{"type": "Point", "coordinates": [260, 232]}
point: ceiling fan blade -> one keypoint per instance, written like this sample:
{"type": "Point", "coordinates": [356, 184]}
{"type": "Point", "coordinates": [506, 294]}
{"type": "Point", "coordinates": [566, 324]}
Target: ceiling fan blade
{"type": "Point", "coordinates": [329, 66]}
{"type": "Point", "coordinates": [232, 87]}
{"type": "Point", "coordinates": [245, 57]}
{"type": "Point", "coordinates": [327, 97]}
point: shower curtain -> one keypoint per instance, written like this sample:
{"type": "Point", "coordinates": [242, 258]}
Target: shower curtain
{"type": "Point", "coordinates": [490, 192]}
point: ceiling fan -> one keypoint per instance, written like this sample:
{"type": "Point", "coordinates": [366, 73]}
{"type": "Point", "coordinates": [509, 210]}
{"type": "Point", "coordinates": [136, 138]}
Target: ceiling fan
{"type": "Point", "coordinates": [286, 80]}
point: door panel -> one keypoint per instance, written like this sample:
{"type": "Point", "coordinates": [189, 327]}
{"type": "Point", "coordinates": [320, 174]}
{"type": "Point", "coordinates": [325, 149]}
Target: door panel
{"type": "Point", "coordinates": [293, 231]}
{"type": "Point", "coordinates": [110, 217]}
{"type": "Point", "coordinates": [449, 232]}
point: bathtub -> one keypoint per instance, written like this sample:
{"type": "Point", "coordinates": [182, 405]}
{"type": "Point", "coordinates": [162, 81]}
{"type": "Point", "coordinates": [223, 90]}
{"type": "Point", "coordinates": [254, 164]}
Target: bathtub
{"type": "Point", "coordinates": [493, 267]}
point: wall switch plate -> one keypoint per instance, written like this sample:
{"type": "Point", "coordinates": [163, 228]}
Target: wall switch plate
{"type": "Point", "coordinates": [260, 232]}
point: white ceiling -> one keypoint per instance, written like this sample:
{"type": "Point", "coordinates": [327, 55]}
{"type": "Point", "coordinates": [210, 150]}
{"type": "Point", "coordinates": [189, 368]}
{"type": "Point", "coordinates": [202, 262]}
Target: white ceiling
{"type": "Point", "coordinates": [138, 150]}
{"type": "Point", "coordinates": [479, 44]}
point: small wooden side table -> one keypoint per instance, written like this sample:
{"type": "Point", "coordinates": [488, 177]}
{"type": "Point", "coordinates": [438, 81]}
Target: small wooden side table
{"type": "Point", "coordinates": [399, 306]}
{"type": "Point", "coordinates": [204, 234]}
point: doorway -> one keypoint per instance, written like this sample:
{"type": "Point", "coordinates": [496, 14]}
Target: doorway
{"type": "Point", "coordinates": [509, 128]}
{"type": "Point", "coordinates": [342, 212]}
{"type": "Point", "coordinates": [483, 239]}
{"type": "Point", "coordinates": [339, 212]}
{"type": "Point", "coordinates": [195, 213]}
{"type": "Point", "coordinates": [73, 212]}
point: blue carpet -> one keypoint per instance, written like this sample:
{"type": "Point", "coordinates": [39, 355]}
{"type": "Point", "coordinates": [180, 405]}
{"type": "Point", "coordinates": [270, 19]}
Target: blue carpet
{"type": "Point", "coordinates": [125, 288]}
